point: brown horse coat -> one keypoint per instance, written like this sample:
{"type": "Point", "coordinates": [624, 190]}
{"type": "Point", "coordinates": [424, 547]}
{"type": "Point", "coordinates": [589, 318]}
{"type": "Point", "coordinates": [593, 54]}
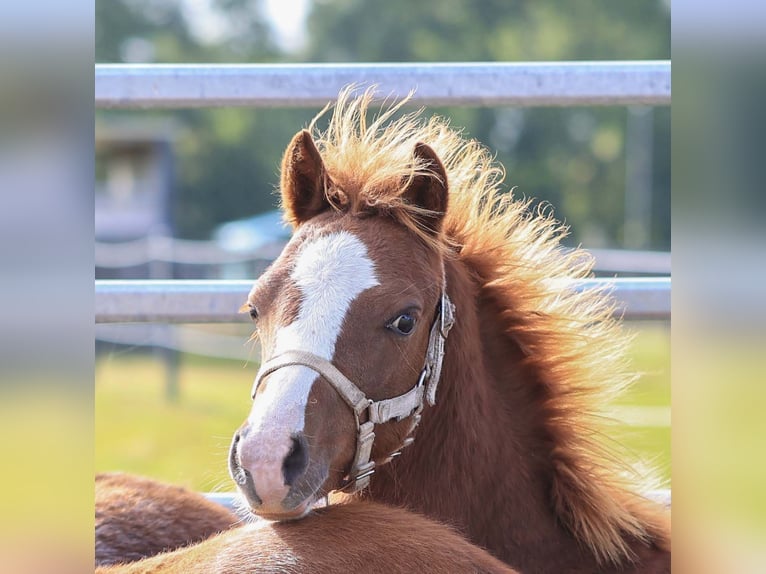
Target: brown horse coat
{"type": "Point", "coordinates": [353, 537]}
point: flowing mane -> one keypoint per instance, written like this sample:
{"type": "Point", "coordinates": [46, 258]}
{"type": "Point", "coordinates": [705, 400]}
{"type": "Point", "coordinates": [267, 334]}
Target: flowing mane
{"type": "Point", "coordinates": [571, 343]}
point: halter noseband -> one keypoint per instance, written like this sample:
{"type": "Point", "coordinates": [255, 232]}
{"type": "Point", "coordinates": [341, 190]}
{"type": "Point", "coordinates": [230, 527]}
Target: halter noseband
{"type": "Point", "coordinates": [378, 412]}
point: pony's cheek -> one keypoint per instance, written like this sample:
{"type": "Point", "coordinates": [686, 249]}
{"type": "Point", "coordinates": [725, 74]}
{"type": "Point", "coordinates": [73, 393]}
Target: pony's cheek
{"type": "Point", "coordinates": [339, 457]}
{"type": "Point", "coordinates": [389, 439]}
{"type": "Point", "coordinates": [331, 432]}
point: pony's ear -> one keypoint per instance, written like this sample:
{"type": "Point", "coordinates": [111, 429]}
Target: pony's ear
{"type": "Point", "coordinates": [428, 189]}
{"type": "Point", "coordinates": [303, 180]}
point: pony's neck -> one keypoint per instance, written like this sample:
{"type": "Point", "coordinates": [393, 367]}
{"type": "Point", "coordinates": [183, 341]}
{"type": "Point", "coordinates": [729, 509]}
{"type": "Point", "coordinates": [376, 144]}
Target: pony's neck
{"type": "Point", "coordinates": [481, 460]}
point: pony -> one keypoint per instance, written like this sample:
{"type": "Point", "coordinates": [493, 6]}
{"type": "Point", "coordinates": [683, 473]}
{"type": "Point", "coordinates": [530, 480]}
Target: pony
{"type": "Point", "coordinates": [423, 348]}
{"type": "Point", "coordinates": [138, 517]}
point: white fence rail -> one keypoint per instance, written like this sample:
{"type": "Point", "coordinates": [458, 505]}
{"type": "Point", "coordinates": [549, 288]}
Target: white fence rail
{"type": "Point", "coordinates": [147, 250]}
{"type": "Point", "coordinates": [150, 249]}
{"type": "Point", "coordinates": [218, 301]}
{"type": "Point", "coordinates": [458, 84]}
{"type": "Point", "coordinates": [232, 500]}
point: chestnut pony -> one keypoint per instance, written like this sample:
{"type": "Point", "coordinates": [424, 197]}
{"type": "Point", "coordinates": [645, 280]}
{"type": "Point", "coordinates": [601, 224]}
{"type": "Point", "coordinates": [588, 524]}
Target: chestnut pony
{"type": "Point", "coordinates": [417, 301]}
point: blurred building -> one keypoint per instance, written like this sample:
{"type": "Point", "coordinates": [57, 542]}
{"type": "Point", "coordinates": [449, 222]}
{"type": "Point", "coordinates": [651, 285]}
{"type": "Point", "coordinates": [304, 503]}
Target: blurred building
{"type": "Point", "coordinates": [133, 188]}
{"type": "Point", "coordinates": [134, 180]}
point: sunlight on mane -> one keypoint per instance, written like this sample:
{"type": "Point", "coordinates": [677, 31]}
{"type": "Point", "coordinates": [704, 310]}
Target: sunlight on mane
{"type": "Point", "coordinates": [570, 339]}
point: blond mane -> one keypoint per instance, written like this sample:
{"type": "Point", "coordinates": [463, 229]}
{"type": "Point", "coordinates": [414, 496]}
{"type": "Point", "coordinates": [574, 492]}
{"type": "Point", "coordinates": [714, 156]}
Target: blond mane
{"type": "Point", "coordinates": [569, 338]}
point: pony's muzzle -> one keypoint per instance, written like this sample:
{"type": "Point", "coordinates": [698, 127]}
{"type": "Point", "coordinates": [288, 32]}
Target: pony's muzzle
{"type": "Point", "coordinates": [269, 473]}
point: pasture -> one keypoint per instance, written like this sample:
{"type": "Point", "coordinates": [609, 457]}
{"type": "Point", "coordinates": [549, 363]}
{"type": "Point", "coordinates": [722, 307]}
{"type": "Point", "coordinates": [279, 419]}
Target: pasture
{"type": "Point", "coordinates": [138, 430]}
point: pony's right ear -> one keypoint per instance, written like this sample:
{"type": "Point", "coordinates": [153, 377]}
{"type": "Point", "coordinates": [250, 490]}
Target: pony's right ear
{"type": "Point", "coordinates": [303, 180]}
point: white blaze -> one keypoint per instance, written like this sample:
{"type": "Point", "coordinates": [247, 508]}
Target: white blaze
{"type": "Point", "coordinates": [330, 273]}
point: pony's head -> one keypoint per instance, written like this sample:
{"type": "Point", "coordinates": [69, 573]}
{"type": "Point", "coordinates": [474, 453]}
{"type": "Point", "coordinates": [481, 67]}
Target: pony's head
{"type": "Point", "coordinates": [351, 318]}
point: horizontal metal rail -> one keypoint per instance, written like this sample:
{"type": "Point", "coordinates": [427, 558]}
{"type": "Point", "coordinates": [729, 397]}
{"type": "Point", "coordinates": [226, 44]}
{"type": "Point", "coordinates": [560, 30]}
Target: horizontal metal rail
{"type": "Point", "coordinates": [234, 502]}
{"type": "Point", "coordinates": [146, 250]}
{"type": "Point", "coordinates": [218, 301]}
{"type": "Point", "coordinates": [194, 339]}
{"type": "Point", "coordinates": [620, 261]}
{"type": "Point", "coordinates": [149, 249]}
{"type": "Point", "coordinates": [310, 85]}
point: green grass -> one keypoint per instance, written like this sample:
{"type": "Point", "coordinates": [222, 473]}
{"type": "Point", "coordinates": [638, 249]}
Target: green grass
{"type": "Point", "coordinates": [139, 430]}
{"type": "Point", "coordinates": [186, 442]}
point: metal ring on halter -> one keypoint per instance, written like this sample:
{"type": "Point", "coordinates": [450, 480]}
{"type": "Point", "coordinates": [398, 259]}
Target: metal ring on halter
{"type": "Point", "coordinates": [365, 474]}
{"type": "Point", "coordinates": [423, 376]}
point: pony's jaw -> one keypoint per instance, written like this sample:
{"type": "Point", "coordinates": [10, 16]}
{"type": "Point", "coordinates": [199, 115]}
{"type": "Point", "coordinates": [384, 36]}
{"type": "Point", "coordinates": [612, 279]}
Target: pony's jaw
{"type": "Point", "coordinates": [296, 514]}
{"type": "Point", "coordinates": [330, 272]}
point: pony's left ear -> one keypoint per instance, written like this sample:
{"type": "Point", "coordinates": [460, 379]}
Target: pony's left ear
{"type": "Point", "coordinates": [303, 180]}
{"type": "Point", "coordinates": [428, 189]}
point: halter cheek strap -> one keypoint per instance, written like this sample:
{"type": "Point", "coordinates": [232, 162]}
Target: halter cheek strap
{"type": "Point", "coordinates": [435, 353]}
{"type": "Point", "coordinates": [409, 404]}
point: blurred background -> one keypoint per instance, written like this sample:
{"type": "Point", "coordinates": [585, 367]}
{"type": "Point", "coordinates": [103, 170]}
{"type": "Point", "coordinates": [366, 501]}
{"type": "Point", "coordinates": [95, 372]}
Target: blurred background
{"type": "Point", "coordinates": [47, 231]}
{"type": "Point", "coordinates": [605, 170]}
{"type": "Point", "coordinates": [191, 193]}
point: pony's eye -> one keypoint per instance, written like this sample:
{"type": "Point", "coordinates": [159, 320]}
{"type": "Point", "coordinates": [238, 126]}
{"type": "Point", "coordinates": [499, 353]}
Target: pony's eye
{"type": "Point", "coordinates": [403, 324]}
{"type": "Point", "coordinates": [253, 313]}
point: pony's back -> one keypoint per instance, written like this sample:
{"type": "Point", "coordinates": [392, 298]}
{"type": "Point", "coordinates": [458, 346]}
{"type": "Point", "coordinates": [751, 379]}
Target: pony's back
{"type": "Point", "coordinates": [348, 537]}
{"type": "Point", "coordinates": [354, 537]}
{"type": "Point", "coordinates": [138, 517]}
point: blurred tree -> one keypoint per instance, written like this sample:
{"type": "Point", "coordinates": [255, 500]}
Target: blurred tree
{"type": "Point", "coordinates": [159, 25]}
{"type": "Point", "coordinates": [227, 160]}
{"type": "Point", "coordinates": [573, 158]}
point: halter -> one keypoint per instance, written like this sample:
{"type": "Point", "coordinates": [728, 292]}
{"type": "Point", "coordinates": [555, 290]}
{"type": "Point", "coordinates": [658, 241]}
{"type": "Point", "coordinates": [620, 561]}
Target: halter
{"type": "Point", "coordinates": [409, 404]}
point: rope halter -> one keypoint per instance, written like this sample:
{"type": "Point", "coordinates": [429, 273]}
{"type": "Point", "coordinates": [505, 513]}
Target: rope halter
{"type": "Point", "coordinates": [409, 404]}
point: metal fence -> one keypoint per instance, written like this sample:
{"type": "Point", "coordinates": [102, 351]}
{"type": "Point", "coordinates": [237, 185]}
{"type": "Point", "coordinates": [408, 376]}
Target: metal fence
{"type": "Point", "coordinates": [307, 85]}
{"type": "Point", "coordinates": [461, 84]}
{"type": "Point", "coordinates": [177, 301]}
{"type": "Point", "coordinates": [294, 85]}
{"type": "Point", "coordinates": [174, 251]}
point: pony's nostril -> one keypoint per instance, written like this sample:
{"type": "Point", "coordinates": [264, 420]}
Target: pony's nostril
{"type": "Point", "coordinates": [296, 461]}
{"type": "Point", "coordinates": [240, 475]}
{"type": "Point", "coordinates": [234, 463]}
{"type": "Point", "coordinates": [247, 488]}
